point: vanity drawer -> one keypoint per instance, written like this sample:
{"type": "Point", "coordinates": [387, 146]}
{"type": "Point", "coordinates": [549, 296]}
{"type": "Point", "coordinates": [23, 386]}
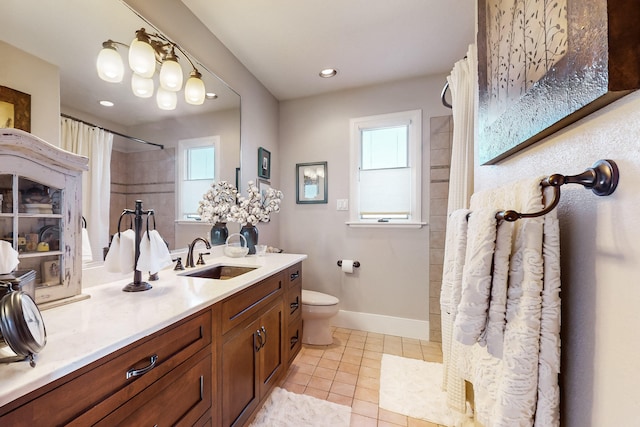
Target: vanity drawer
{"type": "Point", "coordinates": [293, 340]}
{"type": "Point", "coordinates": [179, 399]}
{"type": "Point", "coordinates": [242, 306]}
{"type": "Point", "coordinates": [293, 306]}
{"type": "Point", "coordinates": [100, 389]}
{"type": "Point", "coordinates": [294, 275]}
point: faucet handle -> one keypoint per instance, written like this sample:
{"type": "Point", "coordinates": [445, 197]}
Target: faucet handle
{"type": "Point", "coordinates": [179, 265]}
{"type": "Point", "coordinates": [200, 260]}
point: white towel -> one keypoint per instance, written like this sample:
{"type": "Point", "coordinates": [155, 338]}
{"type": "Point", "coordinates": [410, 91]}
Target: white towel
{"type": "Point", "coordinates": [471, 318]}
{"type": "Point", "coordinates": [521, 388]}
{"type": "Point", "coordinates": [154, 254]}
{"type": "Point", "coordinates": [8, 257]}
{"type": "Point", "coordinates": [454, 255]}
{"type": "Point", "coordinates": [87, 255]}
{"type": "Point", "coordinates": [121, 255]}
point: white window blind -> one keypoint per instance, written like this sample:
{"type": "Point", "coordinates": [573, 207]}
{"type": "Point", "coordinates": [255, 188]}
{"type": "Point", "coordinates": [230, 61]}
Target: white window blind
{"type": "Point", "coordinates": [385, 169]}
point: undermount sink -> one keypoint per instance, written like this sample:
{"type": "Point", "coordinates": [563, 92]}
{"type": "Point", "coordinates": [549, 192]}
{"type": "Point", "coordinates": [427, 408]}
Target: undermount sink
{"type": "Point", "coordinates": [220, 272]}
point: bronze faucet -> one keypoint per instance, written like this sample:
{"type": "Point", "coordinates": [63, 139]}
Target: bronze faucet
{"type": "Point", "coordinates": [190, 262]}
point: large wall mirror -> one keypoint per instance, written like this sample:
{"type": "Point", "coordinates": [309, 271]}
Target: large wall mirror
{"type": "Point", "coordinates": [69, 34]}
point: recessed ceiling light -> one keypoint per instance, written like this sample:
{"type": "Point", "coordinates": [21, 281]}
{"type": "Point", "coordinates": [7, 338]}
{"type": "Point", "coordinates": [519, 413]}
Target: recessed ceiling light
{"type": "Point", "coordinates": [211, 95]}
{"type": "Point", "coordinates": [328, 72]}
{"type": "Point", "coordinates": [106, 103]}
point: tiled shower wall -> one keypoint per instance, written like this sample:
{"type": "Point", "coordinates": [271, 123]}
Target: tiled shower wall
{"type": "Point", "coordinates": [148, 176]}
{"type": "Point", "coordinates": [440, 138]}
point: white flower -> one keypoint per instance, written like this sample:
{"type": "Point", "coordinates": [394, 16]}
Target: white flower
{"type": "Point", "coordinates": [217, 202]}
{"type": "Point", "coordinates": [254, 207]}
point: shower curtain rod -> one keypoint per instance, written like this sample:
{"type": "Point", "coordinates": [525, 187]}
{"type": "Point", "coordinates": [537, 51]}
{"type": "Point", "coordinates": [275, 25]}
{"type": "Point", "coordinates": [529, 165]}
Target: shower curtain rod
{"type": "Point", "coordinates": [133, 138]}
{"type": "Point", "coordinates": [601, 178]}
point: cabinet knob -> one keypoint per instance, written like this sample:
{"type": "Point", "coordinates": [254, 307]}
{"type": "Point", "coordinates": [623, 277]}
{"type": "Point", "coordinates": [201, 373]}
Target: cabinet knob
{"type": "Point", "coordinates": [295, 275]}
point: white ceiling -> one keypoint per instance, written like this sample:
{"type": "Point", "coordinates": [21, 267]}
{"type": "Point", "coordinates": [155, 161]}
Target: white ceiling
{"type": "Point", "coordinates": [285, 43]}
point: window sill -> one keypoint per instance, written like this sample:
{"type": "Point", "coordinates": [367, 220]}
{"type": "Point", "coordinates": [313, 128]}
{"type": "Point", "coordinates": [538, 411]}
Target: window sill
{"type": "Point", "coordinates": [386, 224]}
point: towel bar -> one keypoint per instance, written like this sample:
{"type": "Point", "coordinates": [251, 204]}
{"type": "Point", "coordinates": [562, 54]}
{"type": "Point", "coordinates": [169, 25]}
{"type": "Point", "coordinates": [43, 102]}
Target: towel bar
{"type": "Point", "coordinates": [602, 178]}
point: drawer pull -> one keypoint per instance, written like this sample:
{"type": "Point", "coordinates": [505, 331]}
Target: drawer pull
{"type": "Point", "coordinates": [257, 341]}
{"type": "Point", "coordinates": [295, 275]}
{"type": "Point", "coordinates": [295, 305]}
{"type": "Point", "coordinates": [294, 339]}
{"type": "Point", "coordinates": [137, 372]}
{"type": "Point", "coordinates": [264, 331]}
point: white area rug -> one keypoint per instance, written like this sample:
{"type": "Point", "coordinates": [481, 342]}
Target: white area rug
{"type": "Point", "coordinates": [286, 409]}
{"type": "Point", "coordinates": [414, 388]}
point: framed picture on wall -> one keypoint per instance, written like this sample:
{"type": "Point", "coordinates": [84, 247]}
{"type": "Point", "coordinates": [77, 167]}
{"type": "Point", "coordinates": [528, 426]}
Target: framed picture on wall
{"type": "Point", "coordinates": [311, 182]}
{"type": "Point", "coordinates": [264, 163]}
{"type": "Point", "coordinates": [263, 187]}
{"type": "Point", "coordinates": [15, 109]}
{"type": "Point", "coordinates": [544, 65]}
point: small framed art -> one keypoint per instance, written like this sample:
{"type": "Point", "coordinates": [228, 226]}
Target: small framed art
{"type": "Point", "coordinates": [15, 109]}
{"type": "Point", "coordinates": [311, 182]}
{"type": "Point", "coordinates": [264, 163]}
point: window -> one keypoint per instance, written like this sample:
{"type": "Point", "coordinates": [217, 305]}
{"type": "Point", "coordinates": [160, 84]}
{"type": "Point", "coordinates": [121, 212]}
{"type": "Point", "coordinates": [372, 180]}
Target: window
{"type": "Point", "coordinates": [198, 167]}
{"type": "Point", "coordinates": [386, 169]}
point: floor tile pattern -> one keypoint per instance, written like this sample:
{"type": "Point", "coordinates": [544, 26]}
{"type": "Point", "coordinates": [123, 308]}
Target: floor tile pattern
{"type": "Point", "coordinates": [348, 372]}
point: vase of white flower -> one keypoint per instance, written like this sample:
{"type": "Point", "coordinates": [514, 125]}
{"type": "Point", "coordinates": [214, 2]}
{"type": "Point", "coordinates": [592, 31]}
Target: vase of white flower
{"type": "Point", "coordinates": [256, 207]}
{"type": "Point", "coordinates": [215, 208]}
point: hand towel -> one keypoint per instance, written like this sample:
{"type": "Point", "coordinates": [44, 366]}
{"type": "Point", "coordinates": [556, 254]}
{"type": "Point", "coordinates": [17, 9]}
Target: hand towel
{"type": "Point", "coordinates": [471, 318]}
{"type": "Point", "coordinates": [87, 255]}
{"type": "Point", "coordinates": [121, 255]}
{"type": "Point", "coordinates": [8, 257]}
{"type": "Point", "coordinates": [454, 255]}
{"type": "Point", "coordinates": [154, 254]}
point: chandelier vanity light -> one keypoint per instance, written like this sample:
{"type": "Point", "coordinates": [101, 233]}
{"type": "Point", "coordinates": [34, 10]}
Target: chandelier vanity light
{"type": "Point", "coordinates": [144, 52]}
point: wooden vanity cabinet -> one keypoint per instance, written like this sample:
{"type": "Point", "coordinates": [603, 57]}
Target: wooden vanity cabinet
{"type": "Point", "coordinates": [252, 354]}
{"type": "Point", "coordinates": [166, 376]}
{"type": "Point", "coordinates": [216, 367]}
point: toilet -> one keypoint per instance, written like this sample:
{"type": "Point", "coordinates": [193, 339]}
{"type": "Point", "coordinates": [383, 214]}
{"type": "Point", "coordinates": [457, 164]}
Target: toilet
{"type": "Point", "coordinates": [317, 309]}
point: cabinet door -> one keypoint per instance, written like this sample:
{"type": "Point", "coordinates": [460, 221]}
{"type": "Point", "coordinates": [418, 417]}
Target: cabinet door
{"type": "Point", "coordinates": [271, 351]}
{"type": "Point", "coordinates": [239, 374]}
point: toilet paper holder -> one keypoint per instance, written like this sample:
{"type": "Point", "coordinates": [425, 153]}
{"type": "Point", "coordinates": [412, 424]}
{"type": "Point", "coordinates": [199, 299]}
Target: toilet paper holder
{"type": "Point", "coordinates": [356, 264]}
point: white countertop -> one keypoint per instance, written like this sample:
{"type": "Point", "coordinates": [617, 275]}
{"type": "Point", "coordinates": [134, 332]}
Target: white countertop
{"type": "Point", "coordinates": [82, 332]}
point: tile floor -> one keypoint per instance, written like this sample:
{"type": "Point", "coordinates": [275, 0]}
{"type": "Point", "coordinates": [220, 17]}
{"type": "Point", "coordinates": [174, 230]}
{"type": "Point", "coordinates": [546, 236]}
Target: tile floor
{"type": "Point", "coordinates": [348, 372]}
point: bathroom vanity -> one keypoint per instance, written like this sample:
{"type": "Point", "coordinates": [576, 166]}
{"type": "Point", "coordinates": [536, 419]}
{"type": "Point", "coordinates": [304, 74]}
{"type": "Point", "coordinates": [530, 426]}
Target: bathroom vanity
{"type": "Point", "coordinates": [190, 351]}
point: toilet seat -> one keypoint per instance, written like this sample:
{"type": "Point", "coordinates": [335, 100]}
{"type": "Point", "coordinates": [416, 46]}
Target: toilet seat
{"type": "Point", "coordinates": [318, 298]}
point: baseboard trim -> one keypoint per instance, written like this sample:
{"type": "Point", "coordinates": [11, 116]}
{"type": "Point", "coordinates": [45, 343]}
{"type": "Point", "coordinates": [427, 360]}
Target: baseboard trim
{"type": "Point", "coordinates": [381, 324]}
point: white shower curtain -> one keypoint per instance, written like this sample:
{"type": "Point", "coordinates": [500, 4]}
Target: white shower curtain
{"type": "Point", "coordinates": [462, 83]}
{"type": "Point", "coordinates": [96, 144]}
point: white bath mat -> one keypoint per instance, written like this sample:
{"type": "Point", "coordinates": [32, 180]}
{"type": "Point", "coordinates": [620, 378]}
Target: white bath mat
{"type": "Point", "coordinates": [414, 388]}
{"type": "Point", "coordinates": [286, 409]}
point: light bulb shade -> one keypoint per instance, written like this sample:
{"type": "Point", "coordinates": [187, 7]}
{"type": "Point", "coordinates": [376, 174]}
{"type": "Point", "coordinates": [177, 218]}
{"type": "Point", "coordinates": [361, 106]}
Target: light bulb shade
{"type": "Point", "coordinates": [166, 99]}
{"type": "Point", "coordinates": [194, 91]}
{"type": "Point", "coordinates": [142, 58]}
{"type": "Point", "coordinates": [171, 75]}
{"type": "Point", "coordinates": [109, 64]}
{"type": "Point", "coordinates": [141, 87]}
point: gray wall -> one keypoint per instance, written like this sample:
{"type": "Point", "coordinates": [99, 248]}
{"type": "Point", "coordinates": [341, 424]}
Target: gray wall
{"type": "Point", "coordinates": [394, 277]}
